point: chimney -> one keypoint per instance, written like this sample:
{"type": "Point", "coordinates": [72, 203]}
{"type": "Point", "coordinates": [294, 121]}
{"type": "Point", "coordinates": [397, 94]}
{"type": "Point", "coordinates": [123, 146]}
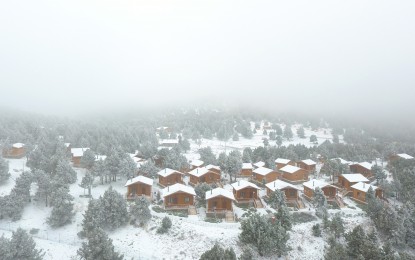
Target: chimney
{"type": "Point", "coordinates": [168, 188]}
{"type": "Point", "coordinates": [211, 191]}
{"type": "Point", "coordinates": [239, 183]}
{"type": "Point", "coordinates": [165, 170]}
{"type": "Point", "coordinates": [363, 185]}
{"type": "Point", "coordinates": [313, 183]}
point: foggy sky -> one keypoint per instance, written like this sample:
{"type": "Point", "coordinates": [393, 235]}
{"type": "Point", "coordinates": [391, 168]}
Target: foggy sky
{"type": "Point", "coordinates": [65, 57]}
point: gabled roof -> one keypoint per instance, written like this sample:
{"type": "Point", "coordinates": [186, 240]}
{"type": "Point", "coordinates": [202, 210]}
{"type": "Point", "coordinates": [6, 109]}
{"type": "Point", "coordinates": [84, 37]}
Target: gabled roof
{"type": "Point", "coordinates": [18, 145]}
{"type": "Point", "coordinates": [290, 169]}
{"type": "Point", "coordinates": [405, 156]}
{"type": "Point", "coordinates": [263, 171]}
{"type": "Point", "coordinates": [259, 164]}
{"type": "Point", "coordinates": [280, 185]}
{"type": "Point", "coordinates": [363, 186]}
{"type": "Point", "coordinates": [242, 184]}
{"type": "Point", "coordinates": [365, 165]}
{"type": "Point", "coordinates": [355, 177]}
{"type": "Point", "coordinates": [211, 166]}
{"type": "Point", "coordinates": [199, 171]}
{"type": "Point", "coordinates": [169, 141]}
{"type": "Point", "coordinates": [167, 172]}
{"type": "Point", "coordinates": [178, 187]}
{"type": "Point", "coordinates": [219, 192]}
{"type": "Point", "coordinates": [342, 161]}
{"type": "Point", "coordinates": [141, 179]}
{"type": "Point", "coordinates": [309, 162]}
{"type": "Point", "coordinates": [78, 152]}
{"type": "Point", "coordinates": [100, 157]}
{"type": "Point", "coordinates": [247, 166]}
{"type": "Point", "coordinates": [67, 144]}
{"type": "Point", "coordinates": [196, 163]}
{"type": "Point", "coordinates": [282, 161]}
{"type": "Point", "coordinates": [312, 184]}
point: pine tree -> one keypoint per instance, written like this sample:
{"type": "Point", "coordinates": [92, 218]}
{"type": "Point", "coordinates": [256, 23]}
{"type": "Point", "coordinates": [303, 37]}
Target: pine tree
{"type": "Point", "coordinates": [246, 155]}
{"type": "Point", "coordinates": [88, 159]}
{"type": "Point", "coordinates": [207, 156]}
{"type": "Point", "coordinates": [218, 253]}
{"type": "Point", "coordinates": [114, 209]}
{"type": "Point", "coordinates": [272, 135]}
{"type": "Point", "coordinates": [278, 140]}
{"type": "Point", "coordinates": [300, 132]}
{"type": "Point", "coordinates": [379, 173]}
{"type": "Point", "coordinates": [65, 174]}
{"type": "Point", "coordinates": [316, 230]}
{"type": "Point", "coordinates": [234, 163]}
{"type": "Point", "coordinates": [93, 218]}
{"type": "Point", "coordinates": [335, 251]}
{"type": "Point", "coordinates": [149, 169]}
{"type": "Point", "coordinates": [288, 133]}
{"type": "Point", "coordinates": [201, 190]}
{"type": "Point", "coordinates": [62, 212]}
{"type": "Point", "coordinates": [44, 185]}
{"type": "Point", "coordinates": [313, 139]}
{"type": "Point", "coordinates": [277, 129]}
{"type": "Point", "coordinates": [320, 202]}
{"type": "Point", "coordinates": [140, 211]}
{"type": "Point", "coordinates": [409, 224]}
{"type": "Point", "coordinates": [4, 170]}
{"type": "Point", "coordinates": [184, 145]}
{"type": "Point", "coordinates": [337, 226]}
{"type": "Point", "coordinates": [100, 170]}
{"type": "Point", "coordinates": [87, 182]}
{"type": "Point", "coordinates": [246, 254]}
{"type": "Point", "coordinates": [235, 137]}
{"type": "Point", "coordinates": [99, 246]}
{"type": "Point", "coordinates": [20, 246]}
{"type": "Point", "coordinates": [165, 225]}
{"type": "Point", "coordinates": [128, 167]}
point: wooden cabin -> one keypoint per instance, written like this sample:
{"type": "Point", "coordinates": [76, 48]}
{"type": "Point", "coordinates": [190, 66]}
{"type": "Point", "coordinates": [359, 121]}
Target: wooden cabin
{"type": "Point", "coordinates": [264, 175]}
{"type": "Point", "coordinates": [178, 196]}
{"type": "Point", "coordinates": [246, 170]}
{"type": "Point", "coordinates": [400, 156]}
{"type": "Point", "coordinates": [293, 173]}
{"type": "Point", "coordinates": [139, 186]}
{"type": "Point", "coordinates": [360, 190]}
{"type": "Point", "coordinates": [291, 191]}
{"type": "Point", "coordinates": [16, 151]}
{"type": "Point", "coordinates": [213, 168]}
{"type": "Point", "coordinates": [330, 191]}
{"type": "Point", "coordinates": [363, 168]}
{"type": "Point", "coordinates": [195, 164]}
{"type": "Point", "coordinates": [169, 177]}
{"type": "Point", "coordinates": [77, 154]}
{"type": "Point", "coordinates": [280, 163]}
{"type": "Point", "coordinates": [348, 180]}
{"type": "Point", "coordinates": [259, 164]}
{"type": "Point", "coordinates": [200, 175]}
{"type": "Point", "coordinates": [219, 201]}
{"type": "Point", "coordinates": [308, 165]}
{"type": "Point", "coordinates": [163, 128]}
{"type": "Point", "coordinates": [245, 191]}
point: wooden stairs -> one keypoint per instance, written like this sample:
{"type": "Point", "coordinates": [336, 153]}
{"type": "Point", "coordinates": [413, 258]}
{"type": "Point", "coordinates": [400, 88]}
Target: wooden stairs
{"type": "Point", "coordinates": [229, 216]}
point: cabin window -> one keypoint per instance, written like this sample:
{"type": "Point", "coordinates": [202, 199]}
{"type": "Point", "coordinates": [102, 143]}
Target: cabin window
{"type": "Point", "coordinates": [186, 199]}
{"type": "Point", "coordinates": [242, 194]}
{"type": "Point", "coordinates": [292, 193]}
{"type": "Point", "coordinates": [215, 203]}
{"type": "Point", "coordinates": [171, 200]}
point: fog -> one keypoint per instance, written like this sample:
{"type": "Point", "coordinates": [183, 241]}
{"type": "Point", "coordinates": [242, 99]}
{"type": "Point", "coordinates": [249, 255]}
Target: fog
{"type": "Point", "coordinates": [79, 56]}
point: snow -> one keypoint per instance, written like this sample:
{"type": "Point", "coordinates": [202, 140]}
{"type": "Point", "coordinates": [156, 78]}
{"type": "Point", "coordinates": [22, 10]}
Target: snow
{"type": "Point", "coordinates": [178, 187]}
{"type": "Point", "coordinates": [18, 145]}
{"type": "Point", "coordinates": [100, 157]}
{"type": "Point", "coordinates": [405, 156]}
{"type": "Point", "coordinates": [242, 184]}
{"type": "Point", "coordinates": [78, 152]}
{"type": "Point", "coordinates": [355, 177]}
{"type": "Point", "coordinates": [312, 184]}
{"type": "Point", "coordinates": [363, 186]}
{"type": "Point", "coordinates": [67, 144]}
{"type": "Point", "coordinates": [290, 169]}
{"type": "Point", "coordinates": [219, 192]}
{"type": "Point", "coordinates": [309, 162]}
{"type": "Point", "coordinates": [166, 172]}
{"type": "Point", "coordinates": [16, 167]}
{"type": "Point", "coordinates": [282, 161]}
{"type": "Point", "coordinates": [197, 163]}
{"type": "Point", "coordinates": [141, 179]}
{"type": "Point", "coordinates": [279, 184]}
{"type": "Point", "coordinates": [259, 164]}
{"type": "Point", "coordinates": [199, 171]}
{"type": "Point", "coordinates": [169, 141]}
{"type": "Point", "coordinates": [211, 166]}
{"type": "Point", "coordinates": [247, 166]}
{"type": "Point", "coordinates": [366, 165]}
{"type": "Point", "coordinates": [263, 171]}
{"type": "Point", "coordinates": [342, 161]}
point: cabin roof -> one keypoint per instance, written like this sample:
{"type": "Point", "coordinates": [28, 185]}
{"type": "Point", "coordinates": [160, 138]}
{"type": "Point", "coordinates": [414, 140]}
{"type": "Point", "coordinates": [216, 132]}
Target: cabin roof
{"type": "Point", "coordinates": [197, 163]}
{"type": "Point", "coordinates": [280, 185]}
{"type": "Point", "coordinates": [167, 172]}
{"type": "Point", "coordinates": [18, 145]}
{"type": "Point", "coordinates": [355, 177]}
{"type": "Point", "coordinates": [78, 152]}
{"type": "Point", "coordinates": [290, 169]}
{"type": "Point", "coordinates": [363, 186]}
{"type": "Point", "coordinates": [67, 144]}
{"type": "Point", "coordinates": [169, 141]}
{"type": "Point", "coordinates": [282, 161]}
{"type": "Point", "coordinates": [242, 184]}
{"type": "Point", "coordinates": [259, 164]}
{"type": "Point", "coordinates": [312, 184]}
{"type": "Point", "coordinates": [309, 162]}
{"type": "Point", "coordinates": [141, 179]}
{"type": "Point", "coordinates": [219, 192]}
{"type": "Point", "coordinates": [211, 166]}
{"type": "Point", "coordinates": [405, 156]}
{"type": "Point", "coordinates": [247, 166]}
{"type": "Point", "coordinates": [178, 187]}
{"type": "Point", "coordinates": [199, 171]}
{"type": "Point", "coordinates": [263, 171]}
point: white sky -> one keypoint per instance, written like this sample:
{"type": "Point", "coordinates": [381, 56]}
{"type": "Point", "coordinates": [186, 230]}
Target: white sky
{"type": "Point", "coordinates": [82, 55]}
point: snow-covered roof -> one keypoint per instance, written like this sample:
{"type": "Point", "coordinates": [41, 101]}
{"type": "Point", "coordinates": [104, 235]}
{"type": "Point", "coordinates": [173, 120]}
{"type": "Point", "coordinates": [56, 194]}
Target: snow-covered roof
{"type": "Point", "coordinates": [67, 144]}
{"type": "Point", "coordinates": [199, 171]}
{"type": "Point", "coordinates": [169, 141]}
{"type": "Point", "coordinates": [263, 171]}
{"type": "Point", "coordinates": [211, 166]}
{"type": "Point", "coordinates": [282, 161]}
{"type": "Point", "coordinates": [162, 128]}
{"type": "Point", "coordinates": [100, 157]}
{"type": "Point", "coordinates": [18, 145]}
{"type": "Point", "coordinates": [309, 162]}
{"type": "Point", "coordinates": [355, 177]}
{"type": "Point", "coordinates": [363, 186]}
{"type": "Point", "coordinates": [342, 161]}
{"type": "Point", "coordinates": [290, 169]}
{"type": "Point", "coordinates": [178, 187]}
{"type": "Point", "coordinates": [405, 156]}
{"type": "Point", "coordinates": [366, 165]}
{"type": "Point", "coordinates": [167, 171]}
{"type": "Point", "coordinates": [242, 184]}
{"type": "Point", "coordinates": [78, 152]}
{"type": "Point", "coordinates": [312, 184]}
{"type": "Point", "coordinates": [141, 179]}
{"type": "Point", "coordinates": [279, 184]}
{"type": "Point", "coordinates": [259, 164]}
{"type": "Point", "coordinates": [196, 163]}
{"type": "Point", "coordinates": [247, 166]}
{"type": "Point", "coordinates": [219, 192]}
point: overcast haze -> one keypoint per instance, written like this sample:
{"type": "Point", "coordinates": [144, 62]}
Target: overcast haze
{"type": "Point", "coordinates": [70, 56]}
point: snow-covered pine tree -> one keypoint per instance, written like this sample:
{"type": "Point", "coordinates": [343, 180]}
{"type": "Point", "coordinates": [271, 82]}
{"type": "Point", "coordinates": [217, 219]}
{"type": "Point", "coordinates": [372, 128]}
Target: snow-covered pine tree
{"type": "Point", "coordinates": [20, 246]}
{"type": "Point", "coordinates": [88, 159]}
{"type": "Point", "coordinates": [65, 174]}
{"type": "Point", "coordinates": [336, 225]}
{"type": "Point", "coordinates": [288, 133]}
{"type": "Point", "coordinates": [4, 170]}
{"type": "Point", "coordinates": [114, 208]}
{"type": "Point", "coordinates": [165, 225]}
{"type": "Point", "coordinates": [99, 246]}
{"type": "Point", "coordinates": [234, 164]}
{"type": "Point", "coordinates": [44, 185]}
{"type": "Point", "coordinates": [100, 170]}
{"type": "Point", "coordinates": [300, 132]}
{"type": "Point", "coordinates": [93, 218]}
{"type": "Point", "coordinates": [320, 203]}
{"type": "Point", "coordinates": [207, 156]}
{"type": "Point", "coordinates": [149, 169]}
{"type": "Point", "coordinates": [62, 212]}
{"type": "Point", "coordinates": [201, 190]}
{"type": "Point", "coordinates": [218, 253]}
{"type": "Point", "coordinates": [313, 139]}
{"type": "Point", "coordinates": [140, 211]}
{"type": "Point", "coordinates": [87, 182]}
{"type": "Point", "coordinates": [409, 224]}
{"type": "Point", "coordinates": [235, 136]}
{"type": "Point", "coordinates": [335, 250]}
{"type": "Point", "coordinates": [278, 140]}
{"type": "Point", "coordinates": [246, 155]}
{"type": "Point", "coordinates": [128, 167]}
